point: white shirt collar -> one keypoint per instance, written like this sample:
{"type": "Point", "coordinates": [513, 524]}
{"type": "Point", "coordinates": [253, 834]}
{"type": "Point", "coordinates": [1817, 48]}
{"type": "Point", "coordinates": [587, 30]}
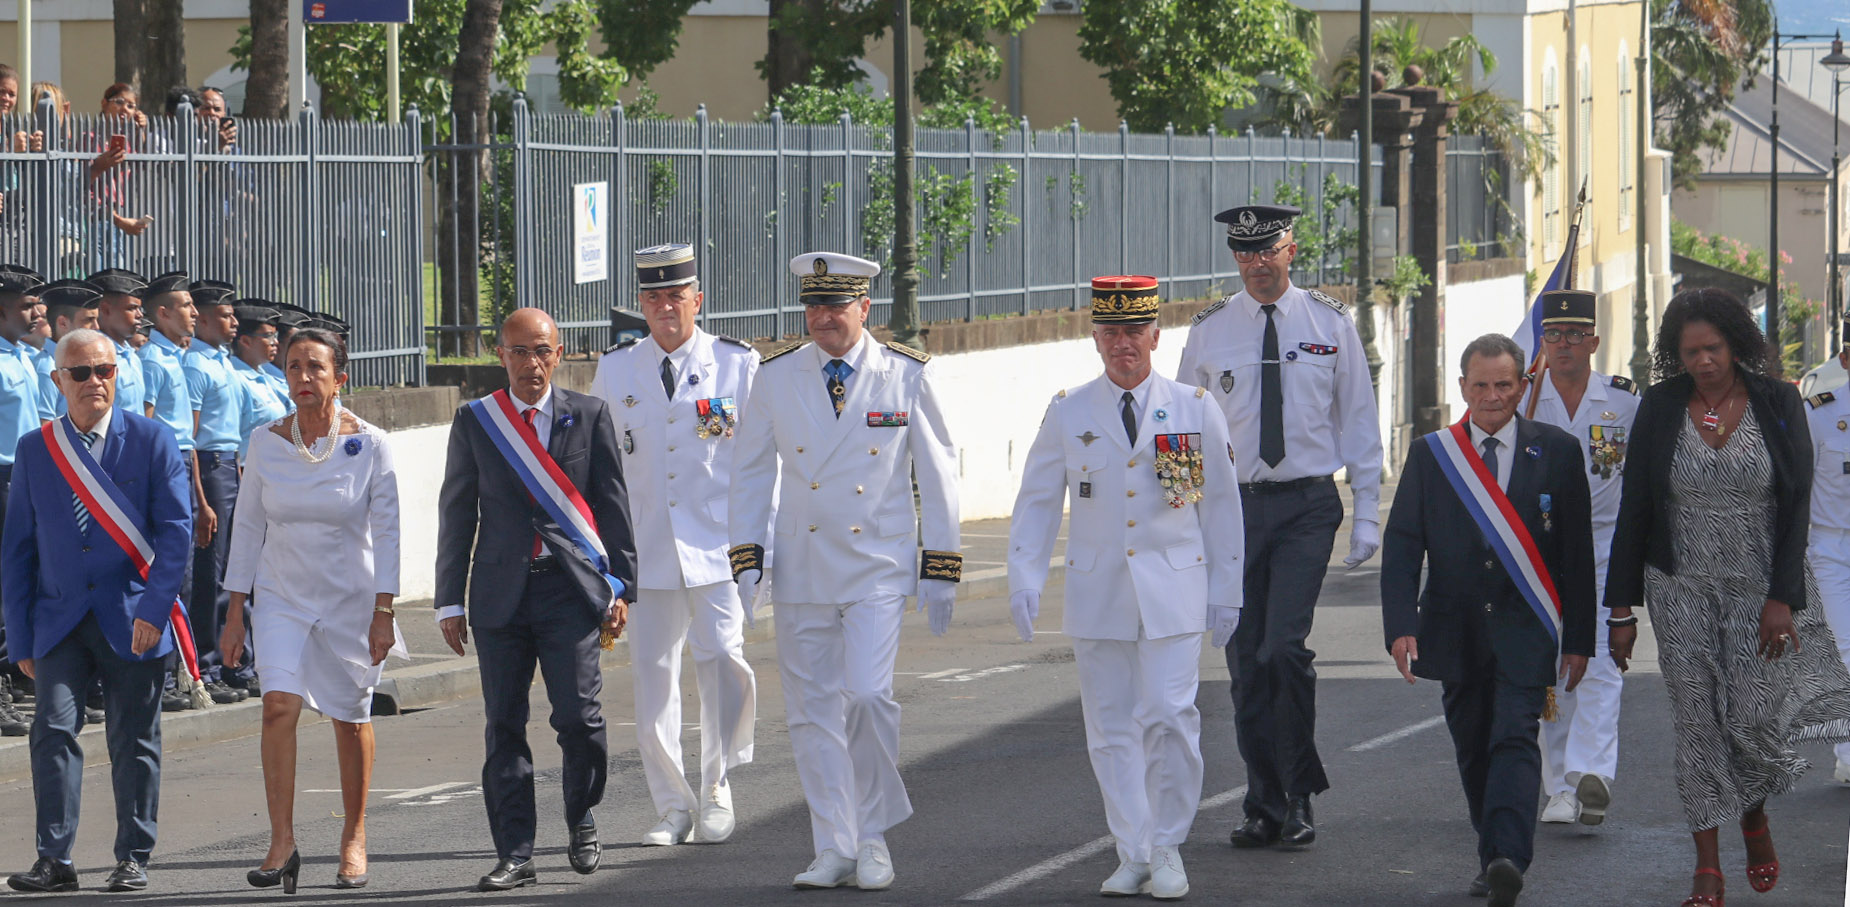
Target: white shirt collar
{"type": "Point", "coordinates": [544, 406]}
{"type": "Point", "coordinates": [1506, 436]}
{"type": "Point", "coordinates": [101, 429]}
{"type": "Point", "coordinates": [856, 354]}
{"type": "Point", "coordinates": [681, 353]}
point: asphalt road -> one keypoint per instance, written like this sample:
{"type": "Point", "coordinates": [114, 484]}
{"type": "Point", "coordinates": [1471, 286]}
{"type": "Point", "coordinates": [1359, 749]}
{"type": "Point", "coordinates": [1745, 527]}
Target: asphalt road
{"type": "Point", "coordinates": [1006, 808]}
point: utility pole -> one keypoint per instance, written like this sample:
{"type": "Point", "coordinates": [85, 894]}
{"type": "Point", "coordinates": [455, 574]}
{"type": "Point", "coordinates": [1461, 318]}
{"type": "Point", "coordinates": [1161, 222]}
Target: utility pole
{"type": "Point", "coordinates": [1641, 297]}
{"type": "Point", "coordinates": [904, 319]}
{"type": "Point", "coordinates": [1365, 204]}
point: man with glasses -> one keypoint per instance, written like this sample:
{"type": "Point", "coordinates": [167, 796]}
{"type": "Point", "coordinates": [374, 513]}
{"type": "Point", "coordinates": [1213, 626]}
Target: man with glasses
{"type": "Point", "coordinates": [1287, 367]}
{"type": "Point", "coordinates": [1580, 750]}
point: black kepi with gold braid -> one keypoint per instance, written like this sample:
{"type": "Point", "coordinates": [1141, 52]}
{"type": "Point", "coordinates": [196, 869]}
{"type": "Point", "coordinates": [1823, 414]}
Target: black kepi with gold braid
{"type": "Point", "coordinates": [1568, 307]}
{"type": "Point", "coordinates": [1124, 299]}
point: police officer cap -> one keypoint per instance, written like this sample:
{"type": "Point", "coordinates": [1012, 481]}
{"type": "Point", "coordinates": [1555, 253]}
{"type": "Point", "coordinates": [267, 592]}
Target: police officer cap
{"type": "Point", "coordinates": [19, 279]}
{"type": "Point", "coordinates": [254, 313]}
{"type": "Point", "coordinates": [333, 324]}
{"type": "Point", "coordinates": [666, 265]}
{"type": "Point", "coordinates": [169, 282]}
{"type": "Point", "coordinates": [211, 292]}
{"type": "Point", "coordinates": [144, 326]}
{"type": "Point", "coordinates": [120, 282]}
{"type": "Point", "coordinates": [1567, 307]}
{"type": "Point", "coordinates": [77, 294]}
{"type": "Point", "coordinates": [830, 278]}
{"type": "Point", "coordinates": [1251, 228]}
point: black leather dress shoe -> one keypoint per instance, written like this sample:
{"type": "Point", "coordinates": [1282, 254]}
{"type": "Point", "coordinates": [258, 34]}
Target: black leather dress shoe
{"type": "Point", "coordinates": [1298, 830]}
{"type": "Point", "coordinates": [128, 876]}
{"type": "Point", "coordinates": [1505, 882]}
{"type": "Point", "coordinates": [1256, 831]}
{"type": "Point", "coordinates": [508, 875]}
{"type": "Point", "coordinates": [1480, 886]}
{"type": "Point", "coordinates": [584, 851]}
{"type": "Point", "coordinates": [46, 875]}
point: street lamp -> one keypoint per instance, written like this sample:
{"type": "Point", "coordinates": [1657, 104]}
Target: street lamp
{"type": "Point", "coordinates": [1836, 61]}
{"type": "Point", "coordinates": [1772, 252]}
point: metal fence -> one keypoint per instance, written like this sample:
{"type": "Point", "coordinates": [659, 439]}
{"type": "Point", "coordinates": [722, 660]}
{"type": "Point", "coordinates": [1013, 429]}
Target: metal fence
{"type": "Point", "coordinates": [1010, 222]}
{"type": "Point", "coordinates": [320, 214]}
{"type": "Point", "coordinates": [1479, 222]}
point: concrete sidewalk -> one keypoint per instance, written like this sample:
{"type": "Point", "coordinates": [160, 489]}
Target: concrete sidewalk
{"type": "Point", "coordinates": [435, 674]}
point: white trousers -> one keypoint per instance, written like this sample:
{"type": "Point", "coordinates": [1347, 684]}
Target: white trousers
{"type": "Point", "coordinates": [1584, 737]}
{"type": "Point", "coordinates": [710, 621]}
{"type": "Point", "coordinates": [837, 667]}
{"type": "Point", "coordinates": [1144, 736]}
{"type": "Point", "coordinates": [1830, 560]}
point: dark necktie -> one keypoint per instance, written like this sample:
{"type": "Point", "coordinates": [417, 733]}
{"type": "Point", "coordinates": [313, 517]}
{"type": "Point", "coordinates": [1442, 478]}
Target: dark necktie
{"type": "Point", "coordinates": [837, 373]}
{"type": "Point", "coordinates": [1490, 459]}
{"type": "Point", "coordinates": [668, 377]}
{"type": "Point", "coordinates": [1129, 410]}
{"type": "Point", "coordinates": [77, 504]}
{"type": "Point", "coordinates": [1271, 396]}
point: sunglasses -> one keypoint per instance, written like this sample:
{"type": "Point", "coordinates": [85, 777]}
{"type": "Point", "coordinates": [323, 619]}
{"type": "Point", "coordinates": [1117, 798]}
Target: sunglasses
{"type": "Point", "coordinates": [81, 373]}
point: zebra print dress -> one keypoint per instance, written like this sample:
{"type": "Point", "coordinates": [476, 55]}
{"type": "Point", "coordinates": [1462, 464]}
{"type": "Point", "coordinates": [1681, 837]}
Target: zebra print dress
{"type": "Point", "coordinates": [1737, 716]}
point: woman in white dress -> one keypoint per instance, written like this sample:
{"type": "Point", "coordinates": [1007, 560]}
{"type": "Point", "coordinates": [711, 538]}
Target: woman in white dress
{"type": "Point", "coordinates": [314, 544]}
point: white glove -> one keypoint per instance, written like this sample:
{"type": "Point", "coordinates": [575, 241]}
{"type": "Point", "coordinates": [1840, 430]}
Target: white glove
{"type": "Point", "coordinates": [754, 590]}
{"type": "Point", "coordinates": [1222, 621]}
{"type": "Point", "coordinates": [1025, 606]}
{"type": "Point", "coordinates": [935, 598]}
{"type": "Point", "coordinates": [1364, 541]}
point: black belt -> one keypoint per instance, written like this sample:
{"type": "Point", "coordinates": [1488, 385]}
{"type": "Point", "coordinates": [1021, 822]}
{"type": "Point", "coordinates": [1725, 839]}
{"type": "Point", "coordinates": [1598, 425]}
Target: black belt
{"type": "Point", "coordinates": [214, 457]}
{"type": "Point", "coordinates": [545, 563]}
{"type": "Point", "coordinates": [1287, 485]}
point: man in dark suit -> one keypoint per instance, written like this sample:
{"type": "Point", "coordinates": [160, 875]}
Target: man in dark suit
{"type": "Point", "coordinates": [1471, 628]}
{"type": "Point", "coordinates": [78, 608]}
{"type": "Point", "coordinates": [535, 595]}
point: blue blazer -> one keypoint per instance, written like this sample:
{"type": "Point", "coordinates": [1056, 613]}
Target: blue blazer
{"type": "Point", "coordinates": [54, 575]}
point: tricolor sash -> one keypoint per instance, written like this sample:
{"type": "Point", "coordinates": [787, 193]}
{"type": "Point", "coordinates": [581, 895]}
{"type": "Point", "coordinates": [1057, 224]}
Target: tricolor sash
{"type": "Point", "coordinates": [545, 481]}
{"type": "Point", "coordinates": [1497, 519]}
{"type": "Point", "coordinates": [110, 509]}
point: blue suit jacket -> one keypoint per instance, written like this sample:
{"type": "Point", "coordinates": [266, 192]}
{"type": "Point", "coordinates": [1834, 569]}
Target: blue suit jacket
{"type": "Point", "coordinates": [54, 575]}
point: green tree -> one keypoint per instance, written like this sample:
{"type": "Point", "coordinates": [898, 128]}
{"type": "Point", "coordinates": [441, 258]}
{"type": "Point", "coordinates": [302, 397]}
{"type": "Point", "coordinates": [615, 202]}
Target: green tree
{"type": "Point", "coordinates": [1187, 61]}
{"type": "Point", "coordinates": [1701, 51]}
{"type": "Point", "coordinates": [820, 40]}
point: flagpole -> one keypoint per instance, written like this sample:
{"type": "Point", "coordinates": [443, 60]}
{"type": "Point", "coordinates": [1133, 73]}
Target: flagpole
{"type": "Point", "coordinates": [1538, 369]}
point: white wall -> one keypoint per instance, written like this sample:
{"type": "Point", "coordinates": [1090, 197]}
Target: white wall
{"type": "Point", "coordinates": [1472, 310]}
{"type": "Point", "coordinates": [418, 455]}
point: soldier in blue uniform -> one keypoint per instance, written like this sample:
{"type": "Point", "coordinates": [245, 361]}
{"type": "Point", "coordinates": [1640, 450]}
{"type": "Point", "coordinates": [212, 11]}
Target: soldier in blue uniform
{"type": "Point", "coordinates": [218, 414]}
{"type": "Point", "coordinates": [19, 415]}
{"type": "Point", "coordinates": [118, 315]}
{"type": "Point", "coordinates": [267, 396]}
{"type": "Point", "coordinates": [170, 402]}
{"type": "Point", "coordinates": [69, 305]}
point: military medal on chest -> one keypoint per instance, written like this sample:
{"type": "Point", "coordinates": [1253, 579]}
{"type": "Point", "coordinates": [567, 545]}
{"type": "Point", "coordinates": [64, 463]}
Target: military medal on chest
{"type": "Point", "coordinates": [1178, 468]}
{"type": "Point", "coordinates": [717, 417]}
{"type": "Point", "coordinates": [1605, 450]}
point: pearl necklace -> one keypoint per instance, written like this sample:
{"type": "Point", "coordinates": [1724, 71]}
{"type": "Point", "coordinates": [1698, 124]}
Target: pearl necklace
{"type": "Point", "coordinates": [306, 451]}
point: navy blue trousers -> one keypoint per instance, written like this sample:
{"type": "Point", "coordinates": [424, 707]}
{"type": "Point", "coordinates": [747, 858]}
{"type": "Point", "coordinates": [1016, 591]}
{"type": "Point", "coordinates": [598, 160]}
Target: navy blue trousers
{"type": "Point", "coordinates": [209, 604]}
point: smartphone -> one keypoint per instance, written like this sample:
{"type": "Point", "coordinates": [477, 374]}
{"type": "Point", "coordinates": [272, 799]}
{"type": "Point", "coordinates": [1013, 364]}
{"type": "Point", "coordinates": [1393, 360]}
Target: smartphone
{"type": "Point", "coordinates": [227, 122]}
{"type": "Point", "coordinates": [118, 142]}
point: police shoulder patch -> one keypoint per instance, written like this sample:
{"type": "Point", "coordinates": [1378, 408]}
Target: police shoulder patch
{"type": "Point", "coordinates": [1625, 384]}
{"type": "Point", "coordinates": [732, 340]}
{"type": "Point", "coordinates": [624, 343]}
{"type": "Point", "coordinates": [908, 352]}
{"type": "Point", "coordinates": [789, 349]}
{"type": "Point", "coordinates": [1329, 300]}
{"type": "Point", "coordinates": [1817, 400]}
{"type": "Point", "coordinates": [1213, 307]}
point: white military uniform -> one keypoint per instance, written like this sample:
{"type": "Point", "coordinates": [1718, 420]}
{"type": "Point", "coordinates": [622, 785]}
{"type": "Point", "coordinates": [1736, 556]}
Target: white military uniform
{"type": "Point", "coordinates": [846, 556]}
{"type": "Point", "coordinates": [1141, 576]}
{"type": "Point", "coordinates": [1585, 736]}
{"type": "Point", "coordinates": [1829, 415]}
{"type": "Point", "coordinates": [679, 472]}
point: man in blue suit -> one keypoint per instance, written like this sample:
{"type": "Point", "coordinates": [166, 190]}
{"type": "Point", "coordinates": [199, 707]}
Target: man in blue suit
{"type": "Point", "coordinates": [78, 608]}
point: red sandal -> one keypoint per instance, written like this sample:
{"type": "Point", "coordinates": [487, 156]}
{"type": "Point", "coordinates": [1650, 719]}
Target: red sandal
{"type": "Point", "coordinates": [1706, 900]}
{"type": "Point", "coordinates": [1765, 875]}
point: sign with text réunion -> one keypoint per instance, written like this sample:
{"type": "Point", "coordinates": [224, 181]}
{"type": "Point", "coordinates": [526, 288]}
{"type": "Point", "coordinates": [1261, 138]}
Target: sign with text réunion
{"type": "Point", "coordinates": [590, 232]}
{"type": "Point", "coordinates": [329, 12]}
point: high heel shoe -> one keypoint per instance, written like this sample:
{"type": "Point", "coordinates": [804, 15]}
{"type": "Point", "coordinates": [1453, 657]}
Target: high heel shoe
{"type": "Point", "coordinates": [1706, 900]}
{"type": "Point", "coordinates": [284, 875]}
{"type": "Point", "coordinates": [1761, 876]}
{"type": "Point", "coordinates": [343, 880]}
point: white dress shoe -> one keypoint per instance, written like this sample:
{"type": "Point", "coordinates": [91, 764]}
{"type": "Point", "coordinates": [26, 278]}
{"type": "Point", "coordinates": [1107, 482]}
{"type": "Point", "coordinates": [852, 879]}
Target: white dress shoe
{"type": "Point", "coordinates": [673, 829]}
{"type": "Point", "coordinates": [716, 822]}
{"type": "Point", "coordinates": [1594, 795]}
{"type": "Point", "coordinates": [874, 870]}
{"type": "Point", "coordinates": [1167, 880]}
{"type": "Point", "coordinates": [1562, 809]}
{"type": "Point", "coordinates": [1842, 774]}
{"type": "Point", "coordinates": [828, 870]}
{"type": "Point", "coordinates": [1130, 880]}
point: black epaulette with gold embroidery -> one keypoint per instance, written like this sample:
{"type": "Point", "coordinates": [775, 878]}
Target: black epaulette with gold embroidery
{"type": "Point", "coordinates": [944, 565]}
{"type": "Point", "coordinates": [629, 341]}
{"type": "Point", "coordinates": [789, 349]}
{"type": "Point", "coordinates": [732, 340]}
{"type": "Point", "coordinates": [1625, 384]}
{"type": "Point", "coordinates": [1329, 300]}
{"type": "Point", "coordinates": [746, 557]}
{"type": "Point", "coordinates": [908, 352]}
{"type": "Point", "coordinates": [1817, 400]}
{"type": "Point", "coordinates": [1213, 307]}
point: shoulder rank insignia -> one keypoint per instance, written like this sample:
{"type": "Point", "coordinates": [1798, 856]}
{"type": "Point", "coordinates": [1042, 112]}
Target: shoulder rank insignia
{"type": "Point", "coordinates": [1213, 307]}
{"type": "Point", "coordinates": [789, 349]}
{"type": "Point", "coordinates": [1061, 395]}
{"type": "Point", "coordinates": [1817, 400]}
{"type": "Point", "coordinates": [732, 340]}
{"type": "Point", "coordinates": [1625, 384]}
{"type": "Point", "coordinates": [908, 352]}
{"type": "Point", "coordinates": [1201, 392]}
{"type": "Point", "coordinates": [625, 342]}
{"type": "Point", "coordinates": [1329, 300]}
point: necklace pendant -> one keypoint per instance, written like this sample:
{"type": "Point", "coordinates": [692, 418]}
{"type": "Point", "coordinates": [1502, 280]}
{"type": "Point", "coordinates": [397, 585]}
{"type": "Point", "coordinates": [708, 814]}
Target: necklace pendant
{"type": "Point", "coordinates": [1711, 421]}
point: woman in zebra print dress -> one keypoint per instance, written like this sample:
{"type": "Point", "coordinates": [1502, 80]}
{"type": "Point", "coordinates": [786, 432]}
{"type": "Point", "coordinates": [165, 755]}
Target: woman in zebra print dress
{"type": "Point", "coordinates": [1712, 530]}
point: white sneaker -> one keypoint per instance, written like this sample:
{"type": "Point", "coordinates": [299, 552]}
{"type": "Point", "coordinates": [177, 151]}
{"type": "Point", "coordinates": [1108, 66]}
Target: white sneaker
{"type": "Point", "coordinates": [828, 870]}
{"type": "Point", "coordinates": [716, 822]}
{"type": "Point", "coordinates": [674, 828]}
{"type": "Point", "coordinates": [1167, 880]}
{"type": "Point", "coordinates": [874, 871]}
{"type": "Point", "coordinates": [1130, 880]}
{"type": "Point", "coordinates": [1594, 795]}
{"type": "Point", "coordinates": [1842, 774]}
{"type": "Point", "coordinates": [1562, 809]}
